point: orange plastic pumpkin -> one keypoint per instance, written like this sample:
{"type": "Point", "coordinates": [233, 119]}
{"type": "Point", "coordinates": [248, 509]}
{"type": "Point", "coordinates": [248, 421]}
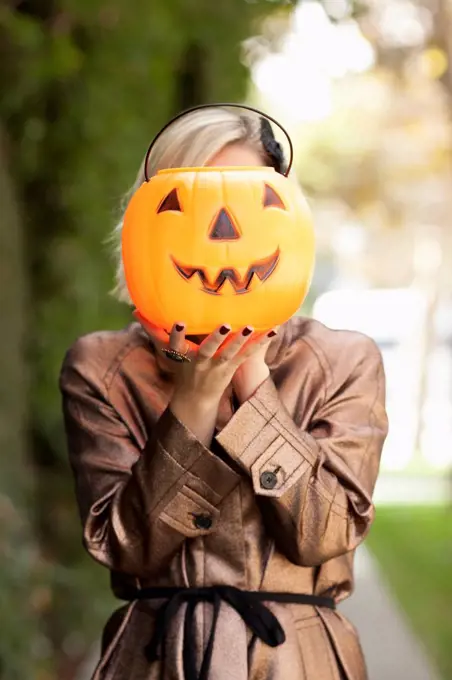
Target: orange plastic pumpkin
{"type": "Point", "coordinates": [218, 245]}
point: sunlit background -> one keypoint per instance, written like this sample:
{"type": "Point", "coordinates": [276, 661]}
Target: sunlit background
{"type": "Point", "coordinates": [365, 90]}
{"type": "Point", "coordinates": [373, 137]}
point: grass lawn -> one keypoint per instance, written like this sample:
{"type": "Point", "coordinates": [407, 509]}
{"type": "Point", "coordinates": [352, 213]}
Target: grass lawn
{"type": "Point", "coordinates": [413, 546]}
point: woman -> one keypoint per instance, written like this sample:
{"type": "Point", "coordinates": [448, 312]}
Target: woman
{"type": "Point", "coordinates": [248, 468]}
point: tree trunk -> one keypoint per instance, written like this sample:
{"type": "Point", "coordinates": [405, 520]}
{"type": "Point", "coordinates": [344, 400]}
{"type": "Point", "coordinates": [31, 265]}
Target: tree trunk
{"type": "Point", "coordinates": [191, 88]}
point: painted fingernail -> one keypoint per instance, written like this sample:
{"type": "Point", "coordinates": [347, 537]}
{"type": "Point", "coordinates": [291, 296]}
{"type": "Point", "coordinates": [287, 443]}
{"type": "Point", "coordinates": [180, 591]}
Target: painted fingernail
{"type": "Point", "coordinates": [247, 330]}
{"type": "Point", "coordinates": [179, 327]}
{"type": "Point", "coordinates": [271, 334]}
{"type": "Point", "coordinates": [224, 330]}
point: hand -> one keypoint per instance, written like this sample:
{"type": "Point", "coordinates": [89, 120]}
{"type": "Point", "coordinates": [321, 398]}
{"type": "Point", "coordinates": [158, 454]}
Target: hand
{"type": "Point", "coordinates": [200, 383]}
{"type": "Point", "coordinates": [214, 362]}
{"type": "Point", "coordinates": [161, 339]}
{"type": "Point", "coordinates": [251, 373]}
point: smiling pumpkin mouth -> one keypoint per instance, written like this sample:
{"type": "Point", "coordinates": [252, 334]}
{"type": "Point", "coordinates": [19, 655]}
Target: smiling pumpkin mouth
{"type": "Point", "coordinates": [263, 269]}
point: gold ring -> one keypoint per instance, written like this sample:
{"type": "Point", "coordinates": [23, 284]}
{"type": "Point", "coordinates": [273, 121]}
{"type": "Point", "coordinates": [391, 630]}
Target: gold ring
{"type": "Point", "coordinates": [174, 355]}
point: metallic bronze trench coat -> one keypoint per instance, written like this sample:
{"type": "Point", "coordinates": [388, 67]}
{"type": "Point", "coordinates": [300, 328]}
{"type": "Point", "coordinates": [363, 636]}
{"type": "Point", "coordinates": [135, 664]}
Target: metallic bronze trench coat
{"type": "Point", "coordinates": [143, 480]}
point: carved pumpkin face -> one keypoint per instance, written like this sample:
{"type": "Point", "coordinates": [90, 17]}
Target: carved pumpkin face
{"type": "Point", "coordinates": [217, 245]}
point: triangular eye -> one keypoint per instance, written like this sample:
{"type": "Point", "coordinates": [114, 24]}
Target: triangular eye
{"type": "Point", "coordinates": [170, 202]}
{"type": "Point", "coordinates": [271, 198]}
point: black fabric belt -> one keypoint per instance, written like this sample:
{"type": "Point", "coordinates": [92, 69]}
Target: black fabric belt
{"type": "Point", "coordinates": [248, 604]}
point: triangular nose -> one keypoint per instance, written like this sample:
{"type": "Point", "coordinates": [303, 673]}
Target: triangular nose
{"type": "Point", "coordinates": [223, 228]}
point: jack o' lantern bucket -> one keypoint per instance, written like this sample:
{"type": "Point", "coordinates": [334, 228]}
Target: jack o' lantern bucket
{"type": "Point", "coordinates": [215, 245]}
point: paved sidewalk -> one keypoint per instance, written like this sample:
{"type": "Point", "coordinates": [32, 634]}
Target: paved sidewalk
{"type": "Point", "coordinates": [392, 652]}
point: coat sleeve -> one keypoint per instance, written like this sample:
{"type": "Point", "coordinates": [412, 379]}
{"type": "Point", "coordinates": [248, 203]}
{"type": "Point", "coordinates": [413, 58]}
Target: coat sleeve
{"type": "Point", "coordinates": [316, 486]}
{"type": "Point", "coordinates": [137, 504]}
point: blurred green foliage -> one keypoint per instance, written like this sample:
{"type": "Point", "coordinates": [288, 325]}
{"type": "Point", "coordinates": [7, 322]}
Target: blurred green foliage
{"type": "Point", "coordinates": [85, 84]}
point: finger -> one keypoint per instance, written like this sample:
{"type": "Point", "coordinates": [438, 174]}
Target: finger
{"type": "Point", "coordinates": [179, 342]}
{"type": "Point", "coordinates": [235, 344]}
{"type": "Point", "coordinates": [177, 339]}
{"type": "Point", "coordinates": [210, 345]}
{"type": "Point", "coordinates": [256, 344]}
{"type": "Point", "coordinates": [262, 338]}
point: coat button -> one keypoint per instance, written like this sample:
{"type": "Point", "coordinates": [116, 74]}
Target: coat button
{"type": "Point", "coordinates": [268, 480]}
{"type": "Point", "coordinates": [203, 522]}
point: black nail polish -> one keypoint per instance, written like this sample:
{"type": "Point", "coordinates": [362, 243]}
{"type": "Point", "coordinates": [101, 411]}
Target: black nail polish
{"type": "Point", "coordinates": [247, 331]}
{"type": "Point", "coordinates": [179, 327]}
{"type": "Point", "coordinates": [271, 334]}
{"type": "Point", "coordinates": [224, 330]}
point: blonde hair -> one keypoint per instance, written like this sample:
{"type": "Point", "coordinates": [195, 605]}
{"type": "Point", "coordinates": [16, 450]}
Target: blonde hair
{"type": "Point", "coordinates": [190, 141]}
